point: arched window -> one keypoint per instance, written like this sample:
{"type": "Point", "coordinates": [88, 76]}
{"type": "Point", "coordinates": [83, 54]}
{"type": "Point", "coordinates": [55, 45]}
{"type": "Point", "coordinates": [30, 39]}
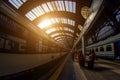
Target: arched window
{"type": "Point", "coordinates": [84, 12]}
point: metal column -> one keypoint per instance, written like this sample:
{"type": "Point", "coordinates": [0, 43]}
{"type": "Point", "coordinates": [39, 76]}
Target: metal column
{"type": "Point", "coordinates": [83, 45]}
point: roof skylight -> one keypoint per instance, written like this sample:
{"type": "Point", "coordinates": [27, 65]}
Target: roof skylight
{"type": "Point", "coordinates": [68, 6]}
{"type": "Point", "coordinates": [57, 37]}
{"type": "Point", "coordinates": [68, 34]}
{"type": "Point", "coordinates": [50, 30]}
{"type": "Point", "coordinates": [51, 21]}
{"type": "Point", "coordinates": [56, 34]}
{"type": "Point", "coordinates": [68, 29]}
{"type": "Point", "coordinates": [45, 23]}
{"type": "Point", "coordinates": [17, 3]}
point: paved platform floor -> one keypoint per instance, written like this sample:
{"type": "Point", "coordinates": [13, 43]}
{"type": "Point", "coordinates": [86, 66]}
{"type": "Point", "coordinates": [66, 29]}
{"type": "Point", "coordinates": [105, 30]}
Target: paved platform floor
{"type": "Point", "coordinates": [103, 70]}
{"type": "Point", "coordinates": [68, 72]}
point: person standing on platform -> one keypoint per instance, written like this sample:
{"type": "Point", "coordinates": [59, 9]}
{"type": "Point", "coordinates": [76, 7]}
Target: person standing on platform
{"type": "Point", "coordinates": [73, 54]}
{"type": "Point", "coordinates": [81, 59]}
{"type": "Point", "coordinates": [92, 57]}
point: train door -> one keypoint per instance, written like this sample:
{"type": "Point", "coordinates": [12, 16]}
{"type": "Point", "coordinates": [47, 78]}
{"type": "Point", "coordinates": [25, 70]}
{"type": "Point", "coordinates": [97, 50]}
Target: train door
{"type": "Point", "coordinates": [117, 49]}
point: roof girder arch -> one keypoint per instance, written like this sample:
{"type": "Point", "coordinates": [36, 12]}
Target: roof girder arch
{"type": "Point", "coordinates": [61, 31]}
{"type": "Point", "coordinates": [63, 37]}
{"type": "Point", "coordinates": [60, 35]}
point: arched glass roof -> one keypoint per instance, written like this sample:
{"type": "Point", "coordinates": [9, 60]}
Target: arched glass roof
{"type": "Point", "coordinates": [51, 21]}
{"type": "Point", "coordinates": [57, 18]}
{"type": "Point", "coordinates": [67, 6]}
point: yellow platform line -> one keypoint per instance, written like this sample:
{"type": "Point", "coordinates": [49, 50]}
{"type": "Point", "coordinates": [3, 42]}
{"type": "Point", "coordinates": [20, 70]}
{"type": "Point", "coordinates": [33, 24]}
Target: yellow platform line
{"type": "Point", "coordinates": [58, 71]}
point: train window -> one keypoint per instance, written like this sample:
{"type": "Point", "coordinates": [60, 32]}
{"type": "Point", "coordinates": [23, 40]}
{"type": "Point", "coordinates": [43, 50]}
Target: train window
{"type": "Point", "coordinates": [108, 48]}
{"type": "Point", "coordinates": [96, 49]}
{"type": "Point", "coordinates": [101, 48]}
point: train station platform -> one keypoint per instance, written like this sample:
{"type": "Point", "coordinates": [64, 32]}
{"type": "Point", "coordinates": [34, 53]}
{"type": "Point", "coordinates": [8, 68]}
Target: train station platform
{"type": "Point", "coordinates": [103, 70]}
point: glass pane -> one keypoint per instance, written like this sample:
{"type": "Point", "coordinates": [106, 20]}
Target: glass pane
{"type": "Point", "coordinates": [44, 6]}
{"type": "Point", "coordinates": [28, 16]}
{"type": "Point", "coordinates": [66, 6]}
{"type": "Point", "coordinates": [57, 5]}
{"type": "Point", "coordinates": [74, 7]}
{"type": "Point", "coordinates": [63, 6]}
{"type": "Point", "coordinates": [14, 4]}
{"type": "Point", "coordinates": [35, 12]}
{"type": "Point", "coordinates": [50, 6]}
{"type": "Point", "coordinates": [17, 3]}
{"type": "Point", "coordinates": [70, 6]}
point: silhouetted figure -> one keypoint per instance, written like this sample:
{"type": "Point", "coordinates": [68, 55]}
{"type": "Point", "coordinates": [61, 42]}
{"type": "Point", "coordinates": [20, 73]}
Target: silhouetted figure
{"type": "Point", "coordinates": [92, 57]}
{"type": "Point", "coordinates": [73, 54]}
{"type": "Point", "coordinates": [81, 59]}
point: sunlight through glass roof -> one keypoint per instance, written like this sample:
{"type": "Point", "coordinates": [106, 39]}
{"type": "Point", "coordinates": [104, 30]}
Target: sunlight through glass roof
{"type": "Point", "coordinates": [61, 34]}
{"type": "Point", "coordinates": [59, 29]}
{"type": "Point", "coordinates": [45, 23]}
{"type": "Point", "coordinates": [68, 29]}
{"type": "Point", "coordinates": [68, 6]}
{"type": "Point", "coordinates": [17, 3]}
{"type": "Point", "coordinates": [50, 30]}
{"type": "Point", "coordinates": [59, 40]}
{"type": "Point", "coordinates": [48, 22]}
{"type": "Point", "coordinates": [59, 37]}
{"type": "Point", "coordinates": [56, 34]}
{"type": "Point", "coordinates": [68, 34]}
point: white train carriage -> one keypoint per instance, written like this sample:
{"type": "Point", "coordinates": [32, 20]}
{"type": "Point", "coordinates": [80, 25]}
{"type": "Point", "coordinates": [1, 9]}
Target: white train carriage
{"type": "Point", "coordinates": [109, 48]}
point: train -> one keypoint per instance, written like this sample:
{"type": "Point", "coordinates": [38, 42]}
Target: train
{"type": "Point", "coordinates": [107, 49]}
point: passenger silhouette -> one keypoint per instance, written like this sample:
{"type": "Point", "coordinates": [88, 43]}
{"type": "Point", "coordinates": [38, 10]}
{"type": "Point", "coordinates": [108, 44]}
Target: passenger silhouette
{"type": "Point", "coordinates": [92, 57]}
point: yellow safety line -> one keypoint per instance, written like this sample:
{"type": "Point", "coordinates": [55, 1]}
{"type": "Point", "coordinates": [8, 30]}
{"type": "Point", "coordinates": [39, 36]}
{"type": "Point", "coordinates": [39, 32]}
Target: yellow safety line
{"type": "Point", "coordinates": [58, 71]}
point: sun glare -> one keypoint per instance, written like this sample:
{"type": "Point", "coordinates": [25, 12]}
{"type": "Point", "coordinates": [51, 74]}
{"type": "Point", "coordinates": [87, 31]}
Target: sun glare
{"type": "Point", "coordinates": [44, 24]}
{"type": "Point", "coordinates": [51, 21]}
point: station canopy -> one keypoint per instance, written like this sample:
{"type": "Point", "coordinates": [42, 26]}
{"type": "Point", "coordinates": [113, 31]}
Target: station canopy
{"type": "Point", "coordinates": [62, 20]}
